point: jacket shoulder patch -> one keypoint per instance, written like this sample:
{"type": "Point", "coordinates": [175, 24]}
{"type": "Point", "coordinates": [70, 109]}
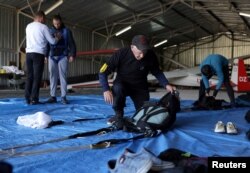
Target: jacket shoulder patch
{"type": "Point", "coordinates": [104, 68]}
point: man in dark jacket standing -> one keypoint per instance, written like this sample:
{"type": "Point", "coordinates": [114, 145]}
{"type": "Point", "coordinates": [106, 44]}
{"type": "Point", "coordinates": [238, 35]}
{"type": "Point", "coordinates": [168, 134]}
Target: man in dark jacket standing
{"type": "Point", "coordinates": [59, 55]}
{"type": "Point", "coordinates": [132, 65]}
{"type": "Point", "coordinates": [215, 64]}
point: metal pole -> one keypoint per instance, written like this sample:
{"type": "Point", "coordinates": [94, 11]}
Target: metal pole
{"type": "Point", "coordinates": [17, 39]}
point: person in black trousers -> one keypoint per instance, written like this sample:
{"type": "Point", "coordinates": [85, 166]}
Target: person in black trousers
{"type": "Point", "coordinates": [37, 37]}
{"type": "Point", "coordinates": [132, 65]}
{"type": "Point", "coordinates": [215, 64]}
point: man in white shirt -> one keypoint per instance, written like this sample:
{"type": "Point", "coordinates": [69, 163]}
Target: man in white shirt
{"type": "Point", "coordinates": [37, 37]}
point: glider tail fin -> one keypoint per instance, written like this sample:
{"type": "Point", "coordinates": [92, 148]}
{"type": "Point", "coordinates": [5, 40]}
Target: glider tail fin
{"type": "Point", "coordinates": [239, 78]}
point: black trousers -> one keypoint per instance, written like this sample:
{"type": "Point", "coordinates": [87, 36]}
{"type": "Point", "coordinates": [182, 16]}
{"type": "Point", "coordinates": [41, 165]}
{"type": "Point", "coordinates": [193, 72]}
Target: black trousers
{"type": "Point", "coordinates": [120, 91]}
{"type": "Point", "coordinates": [35, 66]}
{"type": "Point", "coordinates": [226, 82]}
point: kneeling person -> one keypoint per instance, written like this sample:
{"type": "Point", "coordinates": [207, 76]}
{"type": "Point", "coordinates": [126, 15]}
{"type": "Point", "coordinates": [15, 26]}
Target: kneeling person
{"type": "Point", "coordinates": [132, 65]}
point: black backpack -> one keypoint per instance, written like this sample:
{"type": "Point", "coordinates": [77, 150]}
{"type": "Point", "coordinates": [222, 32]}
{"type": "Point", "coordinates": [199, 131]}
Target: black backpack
{"type": "Point", "coordinates": [209, 103]}
{"type": "Point", "coordinates": [243, 100]}
{"type": "Point", "coordinates": [154, 116]}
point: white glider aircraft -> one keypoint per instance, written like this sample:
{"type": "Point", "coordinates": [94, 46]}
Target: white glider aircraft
{"type": "Point", "coordinates": [189, 77]}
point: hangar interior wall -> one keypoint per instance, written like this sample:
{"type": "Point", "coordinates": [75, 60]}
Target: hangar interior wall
{"type": "Point", "coordinates": [12, 26]}
{"type": "Point", "coordinates": [192, 54]}
{"type": "Point", "coordinates": [12, 40]}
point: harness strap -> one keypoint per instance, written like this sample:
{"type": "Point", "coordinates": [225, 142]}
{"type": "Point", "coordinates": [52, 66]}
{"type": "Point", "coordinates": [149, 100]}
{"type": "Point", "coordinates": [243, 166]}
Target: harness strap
{"type": "Point", "coordinates": [95, 132]}
{"type": "Point", "coordinates": [56, 59]}
{"type": "Point", "coordinates": [84, 134]}
{"type": "Point", "coordinates": [61, 48]}
{"type": "Point", "coordinates": [60, 122]}
{"type": "Point", "coordinates": [99, 145]}
{"type": "Point", "coordinates": [145, 112]}
{"type": "Point", "coordinates": [150, 114]}
{"type": "Point", "coordinates": [116, 141]}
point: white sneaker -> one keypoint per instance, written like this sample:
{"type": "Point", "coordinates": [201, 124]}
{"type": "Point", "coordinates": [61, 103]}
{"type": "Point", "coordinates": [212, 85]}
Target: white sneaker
{"type": "Point", "coordinates": [219, 127]}
{"type": "Point", "coordinates": [231, 128]}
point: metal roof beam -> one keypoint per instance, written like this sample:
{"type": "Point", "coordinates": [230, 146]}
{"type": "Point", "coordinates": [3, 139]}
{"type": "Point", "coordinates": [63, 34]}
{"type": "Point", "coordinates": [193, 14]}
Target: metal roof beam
{"type": "Point", "coordinates": [215, 17]}
{"type": "Point", "coordinates": [134, 12]}
{"type": "Point", "coordinates": [182, 15]}
{"type": "Point", "coordinates": [118, 3]}
{"type": "Point", "coordinates": [140, 17]}
{"type": "Point", "coordinates": [171, 29]}
{"type": "Point", "coordinates": [242, 18]}
{"type": "Point", "coordinates": [30, 4]}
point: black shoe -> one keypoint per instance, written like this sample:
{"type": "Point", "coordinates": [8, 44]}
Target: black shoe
{"type": "Point", "coordinates": [51, 100]}
{"type": "Point", "coordinates": [118, 124]}
{"type": "Point", "coordinates": [34, 102]}
{"type": "Point", "coordinates": [64, 101]}
{"type": "Point", "coordinates": [112, 120]}
{"type": "Point", "coordinates": [118, 115]}
{"type": "Point", "coordinates": [233, 105]}
{"type": "Point", "coordinates": [27, 101]}
{"type": "Point", "coordinates": [247, 117]}
{"type": "Point", "coordinates": [248, 134]}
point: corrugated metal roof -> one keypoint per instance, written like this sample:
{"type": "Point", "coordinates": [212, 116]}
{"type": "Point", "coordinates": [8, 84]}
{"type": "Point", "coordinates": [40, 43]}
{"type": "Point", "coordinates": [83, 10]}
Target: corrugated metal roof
{"type": "Point", "coordinates": [176, 20]}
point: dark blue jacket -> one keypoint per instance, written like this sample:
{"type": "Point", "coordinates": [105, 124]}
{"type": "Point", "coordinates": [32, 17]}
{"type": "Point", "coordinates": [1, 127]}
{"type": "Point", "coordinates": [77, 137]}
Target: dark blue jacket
{"type": "Point", "coordinates": [131, 71]}
{"type": "Point", "coordinates": [217, 62]}
{"type": "Point", "coordinates": [65, 46]}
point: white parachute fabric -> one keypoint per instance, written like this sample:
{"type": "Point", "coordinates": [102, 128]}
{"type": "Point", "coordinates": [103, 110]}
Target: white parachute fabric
{"type": "Point", "coordinates": [39, 120]}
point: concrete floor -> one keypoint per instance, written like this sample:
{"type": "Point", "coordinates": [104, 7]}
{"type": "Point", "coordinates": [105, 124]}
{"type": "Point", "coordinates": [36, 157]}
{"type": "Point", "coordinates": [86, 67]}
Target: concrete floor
{"type": "Point", "coordinates": [185, 94]}
{"type": "Point", "coordinates": [191, 94]}
{"type": "Point", "coordinates": [44, 92]}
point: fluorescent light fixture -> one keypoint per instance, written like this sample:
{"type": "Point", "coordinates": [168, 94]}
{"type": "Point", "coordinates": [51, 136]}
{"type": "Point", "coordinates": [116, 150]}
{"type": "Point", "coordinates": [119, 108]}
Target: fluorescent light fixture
{"type": "Point", "coordinates": [123, 30]}
{"type": "Point", "coordinates": [160, 43]}
{"type": "Point", "coordinates": [244, 14]}
{"type": "Point", "coordinates": [57, 4]}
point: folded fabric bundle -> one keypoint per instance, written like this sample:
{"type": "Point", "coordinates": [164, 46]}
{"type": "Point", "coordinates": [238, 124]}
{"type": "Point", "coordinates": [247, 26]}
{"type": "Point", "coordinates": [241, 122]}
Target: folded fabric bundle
{"type": "Point", "coordinates": [39, 120]}
{"type": "Point", "coordinates": [185, 162]}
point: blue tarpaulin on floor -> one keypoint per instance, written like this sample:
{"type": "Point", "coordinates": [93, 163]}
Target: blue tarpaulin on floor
{"type": "Point", "coordinates": [193, 132]}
